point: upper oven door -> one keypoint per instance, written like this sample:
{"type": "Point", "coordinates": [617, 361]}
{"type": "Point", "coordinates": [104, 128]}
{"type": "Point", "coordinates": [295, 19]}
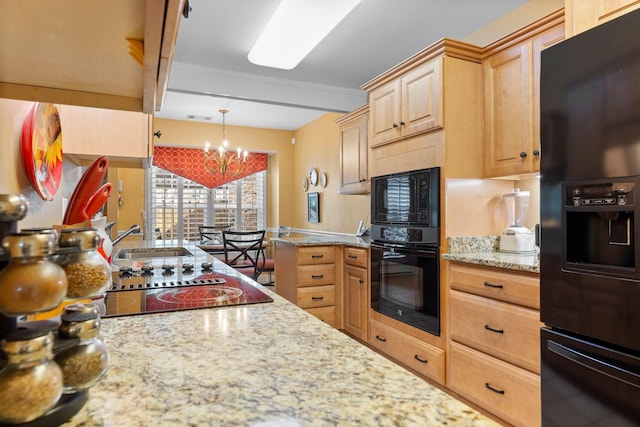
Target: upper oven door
{"type": "Point", "coordinates": [410, 198]}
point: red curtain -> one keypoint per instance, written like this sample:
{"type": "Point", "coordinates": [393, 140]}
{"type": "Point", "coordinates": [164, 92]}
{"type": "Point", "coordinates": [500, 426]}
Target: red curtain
{"type": "Point", "coordinates": [189, 163]}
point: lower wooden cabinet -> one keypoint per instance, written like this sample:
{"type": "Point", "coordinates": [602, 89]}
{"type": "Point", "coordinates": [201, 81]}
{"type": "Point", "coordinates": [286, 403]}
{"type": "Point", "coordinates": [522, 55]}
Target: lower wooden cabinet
{"type": "Point", "coordinates": [494, 341]}
{"type": "Point", "coordinates": [418, 355]}
{"type": "Point", "coordinates": [507, 391]}
{"type": "Point", "coordinates": [356, 291]}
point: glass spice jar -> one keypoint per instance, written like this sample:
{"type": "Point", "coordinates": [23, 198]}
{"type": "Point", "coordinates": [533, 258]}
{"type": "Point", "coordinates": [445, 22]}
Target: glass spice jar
{"type": "Point", "coordinates": [84, 364]}
{"type": "Point", "coordinates": [31, 382]}
{"type": "Point", "coordinates": [31, 282]}
{"type": "Point", "coordinates": [88, 273]}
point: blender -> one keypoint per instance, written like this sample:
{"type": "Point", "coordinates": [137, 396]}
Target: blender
{"type": "Point", "coordinates": [516, 238]}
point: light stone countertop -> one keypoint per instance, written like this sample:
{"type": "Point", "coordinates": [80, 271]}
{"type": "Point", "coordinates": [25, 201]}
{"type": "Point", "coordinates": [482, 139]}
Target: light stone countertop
{"type": "Point", "coordinates": [269, 364]}
{"type": "Point", "coordinates": [318, 239]}
{"type": "Point", "coordinates": [483, 250]}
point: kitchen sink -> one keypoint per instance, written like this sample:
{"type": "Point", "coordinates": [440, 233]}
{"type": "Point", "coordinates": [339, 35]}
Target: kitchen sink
{"type": "Point", "coordinates": [135, 253]}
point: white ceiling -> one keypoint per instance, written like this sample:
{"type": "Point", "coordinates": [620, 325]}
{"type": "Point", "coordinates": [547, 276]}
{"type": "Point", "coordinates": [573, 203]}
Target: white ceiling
{"type": "Point", "coordinates": [210, 69]}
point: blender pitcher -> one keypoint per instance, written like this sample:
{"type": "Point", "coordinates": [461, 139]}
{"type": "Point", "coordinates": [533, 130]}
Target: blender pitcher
{"type": "Point", "coordinates": [516, 238]}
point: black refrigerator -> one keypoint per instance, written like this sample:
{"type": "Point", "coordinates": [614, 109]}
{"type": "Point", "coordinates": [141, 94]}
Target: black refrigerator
{"type": "Point", "coordinates": [590, 227]}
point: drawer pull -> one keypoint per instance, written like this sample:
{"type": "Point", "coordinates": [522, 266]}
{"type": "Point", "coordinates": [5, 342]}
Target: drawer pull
{"type": "Point", "coordinates": [491, 285]}
{"type": "Point", "coordinates": [493, 389]}
{"type": "Point", "coordinates": [419, 359]}
{"type": "Point", "coordinates": [317, 276]}
{"type": "Point", "coordinates": [317, 298]}
{"type": "Point", "coordinates": [352, 256]}
{"type": "Point", "coordinates": [379, 338]}
{"type": "Point", "coordinates": [317, 256]}
{"type": "Point", "coordinates": [498, 331]}
{"type": "Point", "coordinates": [361, 281]}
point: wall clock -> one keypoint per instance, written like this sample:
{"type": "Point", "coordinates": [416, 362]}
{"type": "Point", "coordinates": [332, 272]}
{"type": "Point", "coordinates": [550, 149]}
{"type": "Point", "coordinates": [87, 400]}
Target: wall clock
{"type": "Point", "coordinates": [313, 176]}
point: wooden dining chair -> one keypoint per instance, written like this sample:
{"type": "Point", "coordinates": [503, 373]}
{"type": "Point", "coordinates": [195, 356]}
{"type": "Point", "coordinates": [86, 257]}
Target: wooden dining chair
{"type": "Point", "coordinates": [243, 250]}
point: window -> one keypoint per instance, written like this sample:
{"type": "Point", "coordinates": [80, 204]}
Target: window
{"type": "Point", "coordinates": [178, 205]}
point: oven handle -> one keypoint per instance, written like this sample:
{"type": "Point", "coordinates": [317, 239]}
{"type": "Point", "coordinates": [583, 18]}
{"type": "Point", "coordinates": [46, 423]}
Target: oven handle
{"type": "Point", "coordinates": [401, 249]}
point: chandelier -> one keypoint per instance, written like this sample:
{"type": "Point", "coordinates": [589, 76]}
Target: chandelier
{"type": "Point", "coordinates": [222, 160]}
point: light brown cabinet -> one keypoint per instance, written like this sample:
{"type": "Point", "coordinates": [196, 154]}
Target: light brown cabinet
{"type": "Point", "coordinates": [512, 97]}
{"type": "Point", "coordinates": [307, 276]}
{"type": "Point", "coordinates": [494, 348]}
{"type": "Point", "coordinates": [356, 291]}
{"type": "Point", "coordinates": [354, 171]}
{"type": "Point", "coordinates": [426, 112]}
{"type": "Point", "coordinates": [582, 15]}
{"type": "Point", "coordinates": [407, 105]}
{"type": "Point", "coordinates": [124, 136]}
{"type": "Point", "coordinates": [422, 357]}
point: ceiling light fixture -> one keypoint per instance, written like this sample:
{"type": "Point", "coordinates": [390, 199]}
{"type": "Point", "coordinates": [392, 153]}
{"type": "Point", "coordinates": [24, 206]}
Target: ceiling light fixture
{"type": "Point", "coordinates": [295, 29]}
{"type": "Point", "coordinates": [222, 160]}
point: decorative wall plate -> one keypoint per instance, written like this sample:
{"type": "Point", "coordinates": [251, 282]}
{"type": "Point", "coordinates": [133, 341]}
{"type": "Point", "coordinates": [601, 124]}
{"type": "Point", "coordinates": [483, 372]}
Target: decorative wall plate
{"type": "Point", "coordinates": [42, 149]}
{"type": "Point", "coordinates": [323, 179]}
{"type": "Point", "coordinates": [313, 176]}
{"type": "Point", "coordinates": [305, 184]}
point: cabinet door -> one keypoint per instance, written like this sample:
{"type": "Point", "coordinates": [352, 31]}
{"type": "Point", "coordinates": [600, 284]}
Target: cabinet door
{"type": "Point", "coordinates": [356, 293]}
{"type": "Point", "coordinates": [422, 99]}
{"type": "Point", "coordinates": [582, 15]}
{"type": "Point", "coordinates": [353, 156]}
{"type": "Point", "coordinates": [384, 114]}
{"type": "Point", "coordinates": [508, 112]}
{"type": "Point", "coordinates": [539, 43]}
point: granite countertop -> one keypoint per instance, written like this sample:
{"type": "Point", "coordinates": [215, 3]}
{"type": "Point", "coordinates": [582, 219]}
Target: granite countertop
{"type": "Point", "coordinates": [269, 364]}
{"type": "Point", "coordinates": [483, 250]}
{"type": "Point", "coordinates": [315, 240]}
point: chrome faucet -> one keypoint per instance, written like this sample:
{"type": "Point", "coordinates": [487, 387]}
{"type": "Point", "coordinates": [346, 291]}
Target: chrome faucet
{"type": "Point", "coordinates": [133, 229]}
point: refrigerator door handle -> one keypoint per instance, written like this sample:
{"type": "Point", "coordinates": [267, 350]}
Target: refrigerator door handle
{"type": "Point", "coordinates": [598, 365]}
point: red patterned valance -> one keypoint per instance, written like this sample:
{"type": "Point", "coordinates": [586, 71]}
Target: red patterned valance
{"type": "Point", "coordinates": [189, 163]}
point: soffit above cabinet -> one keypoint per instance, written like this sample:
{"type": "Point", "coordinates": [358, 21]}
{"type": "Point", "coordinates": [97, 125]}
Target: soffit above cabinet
{"type": "Point", "coordinates": [76, 52]}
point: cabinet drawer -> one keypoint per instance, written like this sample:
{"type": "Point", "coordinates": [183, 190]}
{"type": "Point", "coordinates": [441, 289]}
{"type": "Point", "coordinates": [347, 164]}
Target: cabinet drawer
{"type": "Point", "coordinates": [420, 356]}
{"type": "Point", "coordinates": [326, 314]}
{"type": "Point", "coordinates": [511, 393]}
{"type": "Point", "coordinates": [356, 256]}
{"type": "Point", "coordinates": [316, 255]}
{"type": "Point", "coordinates": [312, 275]}
{"type": "Point", "coordinates": [510, 287]}
{"type": "Point", "coordinates": [317, 296]}
{"type": "Point", "coordinates": [507, 331]}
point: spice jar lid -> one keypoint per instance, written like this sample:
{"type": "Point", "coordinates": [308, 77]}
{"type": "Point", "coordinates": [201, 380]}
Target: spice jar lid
{"type": "Point", "coordinates": [27, 341]}
{"type": "Point", "coordinates": [83, 238]}
{"type": "Point", "coordinates": [79, 324]}
{"type": "Point", "coordinates": [13, 207]}
{"type": "Point", "coordinates": [27, 244]}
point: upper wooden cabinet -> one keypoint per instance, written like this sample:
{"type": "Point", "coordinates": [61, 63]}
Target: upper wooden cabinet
{"type": "Point", "coordinates": [354, 175]}
{"type": "Point", "coordinates": [511, 72]}
{"type": "Point", "coordinates": [582, 15]}
{"type": "Point", "coordinates": [427, 111]}
{"type": "Point", "coordinates": [407, 105]}
{"type": "Point", "coordinates": [123, 136]}
{"type": "Point", "coordinates": [114, 54]}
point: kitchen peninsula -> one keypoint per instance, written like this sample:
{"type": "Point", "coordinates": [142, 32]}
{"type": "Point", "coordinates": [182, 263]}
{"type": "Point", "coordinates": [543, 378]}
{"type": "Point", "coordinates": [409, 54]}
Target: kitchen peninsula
{"type": "Point", "coordinates": [269, 364]}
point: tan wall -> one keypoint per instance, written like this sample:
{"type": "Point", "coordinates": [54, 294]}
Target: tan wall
{"type": "Point", "coordinates": [318, 146]}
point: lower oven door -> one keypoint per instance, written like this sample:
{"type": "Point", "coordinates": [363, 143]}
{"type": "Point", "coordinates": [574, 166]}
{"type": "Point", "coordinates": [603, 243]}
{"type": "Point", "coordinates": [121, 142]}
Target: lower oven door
{"type": "Point", "coordinates": [405, 285]}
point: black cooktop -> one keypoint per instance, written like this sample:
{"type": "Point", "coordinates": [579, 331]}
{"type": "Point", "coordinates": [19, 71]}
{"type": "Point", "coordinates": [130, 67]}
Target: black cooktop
{"type": "Point", "coordinates": [173, 289]}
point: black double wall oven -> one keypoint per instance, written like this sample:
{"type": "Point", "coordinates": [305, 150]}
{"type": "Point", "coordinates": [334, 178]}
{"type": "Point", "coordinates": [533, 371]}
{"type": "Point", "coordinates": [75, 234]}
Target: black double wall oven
{"type": "Point", "coordinates": [590, 217]}
{"type": "Point", "coordinates": [405, 244]}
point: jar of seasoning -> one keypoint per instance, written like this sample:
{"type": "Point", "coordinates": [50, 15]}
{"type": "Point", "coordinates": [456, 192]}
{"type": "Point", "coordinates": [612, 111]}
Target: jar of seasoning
{"type": "Point", "coordinates": [88, 273]}
{"type": "Point", "coordinates": [31, 383]}
{"type": "Point", "coordinates": [86, 363]}
{"type": "Point", "coordinates": [31, 282]}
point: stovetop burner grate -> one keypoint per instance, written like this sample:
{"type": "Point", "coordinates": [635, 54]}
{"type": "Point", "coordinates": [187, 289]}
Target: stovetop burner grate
{"type": "Point", "coordinates": [169, 284]}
